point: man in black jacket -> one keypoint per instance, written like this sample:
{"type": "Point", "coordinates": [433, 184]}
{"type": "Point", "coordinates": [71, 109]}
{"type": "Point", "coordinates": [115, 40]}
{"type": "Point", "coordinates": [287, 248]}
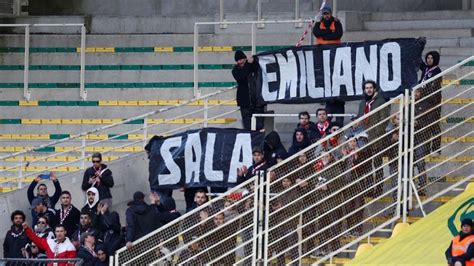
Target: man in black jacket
{"type": "Point", "coordinates": [306, 123]}
{"type": "Point", "coordinates": [244, 73]}
{"type": "Point", "coordinates": [68, 215]}
{"type": "Point", "coordinates": [141, 218]}
{"type": "Point", "coordinates": [85, 226]}
{"type": "Point", "coordinates": [42, 192]}
{"type": "Point", "coordinates": [108, 223]}
{"type": "Point", "coordinates": [99, 176]}
{"type": "Point", "coordinates": [259, 164]}
{"type": "Point", "coordinates": [39, 207]}
{"type": "Point", "coordinates": [15, 239]}
{"type": "Point", "coordinates": [87, 250]}
{"type": "Point", "coordinates": [273, 149]}
{"type": "Point", "coordinates": [329, 29]}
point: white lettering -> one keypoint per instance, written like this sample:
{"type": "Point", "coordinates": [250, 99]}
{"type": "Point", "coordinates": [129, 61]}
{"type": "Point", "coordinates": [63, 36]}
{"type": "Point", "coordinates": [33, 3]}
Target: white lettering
{"type": "Point", "coordinates": [365, 70]}
{"type": "Point", "coordinates": [267, 77]}
{"type": "Point", "coordinates": [302, 64]}
{"type": "Point", "coordinates": [242, 147]}
{"type": "Point", "coordinates": [288, 74]}
{"type": "Point", "coordinates": [313, 92]}
{"type": "Point", "coordinates": [393, 49]}
{"type": "Point", "coordinates": [175, 173]}
{"type": "Point", "coordinates": [327, 73]}
{"type": "Point", "coordinates": [209, 172]}
{"type": "Point", "coordinates": [192, 167]}
{"type": "Point", "coordinates": [342, 63]}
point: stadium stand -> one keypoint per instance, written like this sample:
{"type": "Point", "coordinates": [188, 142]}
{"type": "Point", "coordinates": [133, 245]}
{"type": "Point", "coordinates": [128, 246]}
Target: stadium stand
{"type": "Point", "coordinates": [131, 74]}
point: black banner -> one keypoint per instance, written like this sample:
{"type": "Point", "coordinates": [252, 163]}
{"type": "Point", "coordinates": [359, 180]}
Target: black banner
{"type": "Point", "coordinates": [317, 73]}
{"type": "Point", "coordinates": [203, 157]}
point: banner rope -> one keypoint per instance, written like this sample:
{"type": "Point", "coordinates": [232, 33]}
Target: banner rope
{"type": "Point", "coordinates": [310, 25]}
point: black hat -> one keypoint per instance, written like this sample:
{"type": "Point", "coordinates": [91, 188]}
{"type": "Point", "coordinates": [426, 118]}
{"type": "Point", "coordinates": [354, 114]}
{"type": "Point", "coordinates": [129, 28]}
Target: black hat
{"type": "Point", "coordinates": [239, 55]}
{"type": "Point", "coordinates": [138, 195]}
{"type": "Point", "coordinates": [326, 9]}
{"type": "Point", "coordinates": [257, 150]}
{"type": "Point", "coordinates": [466, 221]}
{"type": "Point", "coordinates": [37, 201]}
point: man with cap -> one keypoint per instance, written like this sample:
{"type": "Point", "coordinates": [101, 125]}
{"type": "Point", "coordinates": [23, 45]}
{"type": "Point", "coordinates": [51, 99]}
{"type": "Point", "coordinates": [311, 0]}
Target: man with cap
{"type": "Point", "coordinates": [42, 192]}
{"type": "Point", "coordinates": [39, 206]}
{"type": "Point", "coordinates": [461, 250]}
{"type": "Point", "coordinates": [329, 29]}
{"type": "Point", "coordinates": [245, 72]}
{"type": "Point", "coordinates": [141, 218]}
{"type": "Point", "coordinates": [259, 164]}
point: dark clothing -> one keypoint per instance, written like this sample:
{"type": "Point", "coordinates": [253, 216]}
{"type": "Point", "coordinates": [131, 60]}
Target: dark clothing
{"type": "Point", "coordinates": [69, 220]}
{"type": "Point", "coordinates": [298, 146]}
{"type": "Point", "coordinates": [50, 215]}
{"type": "Point", "coordinates": [167, 210]}
{"type": "Point", "coordinates": [109, 225]}
{"type": "Point", "coordinates": [463, 258]}
{"type": "Point", "coordinates": [311, 130]}
{"type": "Point", "coordinates": [141, 219]}
{"type": "Point", "coordinates": [189, 193]}
{"type": "Point", "coordinates": [196, 259]}
{"type": "Point", "coordinates": [50, 201]}
{"type": "Point", "coordinates": [105, 183]}
{"type": "Point", "coordinates": [326, 33]}
{"type": "Point", "coordinates": [336, 107]}
{"type": "Point", "coordinates": [432, 97]}
{"type": "Point", "coordinates": [15, 240]}
{"type": "Point", "coordinates": [93, 211]}
{"type": "Point", "coordinates": [245, 98]}
{"type": "Point", "coordinates": [247, 113]}
{"type": "Point", "coordinates": [253, 170]}
{"type": "Point", "coordinates": [76, 236]}
{"type": "Point", "coordinates": [88, 257]}
{"type": "Point", "coordinates": [274, 149]}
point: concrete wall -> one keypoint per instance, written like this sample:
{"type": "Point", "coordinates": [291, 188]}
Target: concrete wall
{"type": "Point", "coordinates": [129, 175]}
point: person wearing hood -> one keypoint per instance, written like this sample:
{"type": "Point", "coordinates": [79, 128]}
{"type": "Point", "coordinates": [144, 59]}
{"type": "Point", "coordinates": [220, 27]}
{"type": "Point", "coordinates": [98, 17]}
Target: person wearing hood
{"type": "Point", "coordinates": [244, 72]}
{"type": "Point", "coordinates": [85, 226]}
{"type": "Point", "coordinates": [108, 223]}
{"type": "Point", "coordinates": [433, 97]}
{"type": "Point", "coordinates": [273, 149]}
{"type": "Point", "coordinates": [329, 29]}
{"type": "Point", "coordinates": [15, 239]}
{"type": "Point", "coordinates": [166, 208]}
{"type": "Point", "coordinates": [42, 192]}
{"type": "Point", "coordinates": [140, 217]}
{"type": "Point", "coordinates": [461, 250]}
{"type": "Point", "coordinates": [300, 141]}
{"type": "Point", "coordinates": [99, 176]}
{"type": "Point", "coordinates": [375, 124]}
{"type": "Point", "coordinates": [259, 164]}
{"type": "Point", "coordinates": [102, 256]}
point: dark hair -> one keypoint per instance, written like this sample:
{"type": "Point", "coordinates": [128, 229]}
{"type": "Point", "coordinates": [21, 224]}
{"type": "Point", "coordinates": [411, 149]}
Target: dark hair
{"type": "Point", "coordinates": [304, 113]}
{"type": "Point", "coordinates": [66, 192]}
{"type": "Point", "coordinates": [44, 217]}
{"type": "Point", "coordinates": [376, 86]}
{"type": "Point", "coordinates": [86, 212]}
{"type": "Point", "coordinates": [97, 155]}
{"type": "Point", "coordinates": [60, 225]}
{"type": "Point", "coordinates": [200, 191]}
{"type": "Point", "coordinates": [41, 185]}
{"type": "Point", "coordinates": [17, 212]}
{"type": "Point", "coordinates": [321, 109]}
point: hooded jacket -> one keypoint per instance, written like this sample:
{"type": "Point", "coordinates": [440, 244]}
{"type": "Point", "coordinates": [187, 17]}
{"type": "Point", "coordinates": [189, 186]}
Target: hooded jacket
{"type": "Point", "coordinates": [298, 146]}
{"type": "Point", "coordinates": [109, 225]}
{"type": "Point", "coordinates": [274, 149]}
{"type": "Point", "coordinates": [141, 219]}
{"type": "Point", "coordinates": [106, 181]}
{"type": "Point", "coordinates": [92, 208]}
{"type": "Point", "coordinates": [311, 129]}
{"type": "Point", "coordinates": [245, 97]}
{"type": "Point", "coordinates": [167, 210]}
{"type": "Point", "coordinates": [428, 72]}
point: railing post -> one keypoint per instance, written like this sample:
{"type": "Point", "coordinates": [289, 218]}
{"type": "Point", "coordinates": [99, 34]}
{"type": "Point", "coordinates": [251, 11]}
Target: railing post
{"type": "Point", "coordinates": [253, 123]}
{"type": "Point", "coordinates": [26, 71]}
{"type": "Point", "coordinates": [206, 105]}
{"type": "Point", "coordinates": [254, 39]}
{"type": "Point", "coordinates": [83, 153]}
{"type": "Point", "coordinates": [222, 15]}
{"type": "Point", "coordinates": [297, 14]}
{"type": "Point", "coordinates": [401, 137]}
{"type": "Point", "coordinates": [259, 14]}
{"type": "Point", "coordinates": [266, 184]}
{"type": "Point", "coordinates": [405, 156]}
{"type": "Point", "coordinates": [145, 131]}
{"type": "Point", "coordinates": [261, 205]}
{"type": "Point", "coordinates": [255, 222]}
{"type": "Point", "coordinates": [82, 86]}
{"type": "Point", "coordinates": [20, 172]}
{"type": "Point", "coordinates": [300, 238]}
{"type": "Point", "coordinates": [197, 92]}
{"type": "Point", "coordinates": [334, 7]}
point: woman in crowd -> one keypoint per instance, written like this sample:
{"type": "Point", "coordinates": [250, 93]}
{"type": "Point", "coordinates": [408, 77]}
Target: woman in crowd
{"type": "Point", "coordinates": [42, 228]}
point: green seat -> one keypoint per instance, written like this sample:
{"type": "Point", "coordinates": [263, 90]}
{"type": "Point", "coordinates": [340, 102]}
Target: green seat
{"type": "Point", "coordinates": [182, 49]}
{"type": "Point", "coordinates": [58, 136]}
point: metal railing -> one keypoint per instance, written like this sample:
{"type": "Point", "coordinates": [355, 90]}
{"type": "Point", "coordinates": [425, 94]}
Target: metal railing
{"type": "Point", "coordinates": [141, 133]}
{"type": "Point", "coordinates": [26, 77]}
{"type": "Point", "coordinates": [36, 261]}
{"type": "Point", "coordinates": [435, 153]}
{"type": "Point", "coordinates": [267, 219]}
{"type": "Point", "coordinates": [253, 122]}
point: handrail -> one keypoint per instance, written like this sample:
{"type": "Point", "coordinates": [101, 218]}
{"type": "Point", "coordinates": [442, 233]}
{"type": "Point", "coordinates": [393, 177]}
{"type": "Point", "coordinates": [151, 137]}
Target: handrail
{"type": "Point", "coordinates": [76, 136]}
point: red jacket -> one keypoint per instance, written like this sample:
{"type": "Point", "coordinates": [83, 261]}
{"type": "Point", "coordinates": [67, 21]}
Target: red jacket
{"type": "Point", "coordinates": [64, 250]}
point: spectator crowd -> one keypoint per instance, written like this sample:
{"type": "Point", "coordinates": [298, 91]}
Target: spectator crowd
{"type": "Point", "coordinates": [93, 231]}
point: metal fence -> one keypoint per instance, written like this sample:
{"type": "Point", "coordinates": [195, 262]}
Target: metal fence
{"type": "Point", "coordinates": [40, 262]}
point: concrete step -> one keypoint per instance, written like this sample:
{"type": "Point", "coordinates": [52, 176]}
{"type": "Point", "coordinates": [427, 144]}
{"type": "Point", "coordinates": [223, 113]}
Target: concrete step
{"type": "Point", "coordinates": [462, 51]}
{"type": "Point", "coordinates": [399, 25]}
{"type": "Point", "coordinates": [425, 15]}
{"type": "Point", "coordinates": [378, 35]}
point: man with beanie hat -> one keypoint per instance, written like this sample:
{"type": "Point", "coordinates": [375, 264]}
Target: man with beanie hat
{"type": "Point", "coordinates": [461, 250]}
{"type": "Point", "coordinates": [245, 73]}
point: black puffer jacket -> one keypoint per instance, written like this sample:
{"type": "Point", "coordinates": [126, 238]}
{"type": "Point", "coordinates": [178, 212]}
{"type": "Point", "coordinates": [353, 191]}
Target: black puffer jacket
{"type": "Point", "coordinates": [274, 149]}
{"type": "Point", "coordinates": [15, 240]}
{"type": "Point", "coordinates": [141, 219]}
{"type": "Point", "coordinates": [106, 181]}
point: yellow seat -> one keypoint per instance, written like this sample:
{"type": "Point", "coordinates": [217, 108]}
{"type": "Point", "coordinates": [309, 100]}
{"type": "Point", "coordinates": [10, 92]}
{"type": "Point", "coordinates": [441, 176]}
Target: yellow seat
{"type": "Point", "coordinates": [105, 49]}
{"type": "Point", "coordinates": [163, 49]}
{"type": "Point", "coordinates": [28, 103]}
{"type": "Point", "coordinates": [107, 103]}
{"type": "Point", "coordinates": [50, 121]}
{"type": "Point", "coordinates": [205, 49]}
{"type": "Point", "coordinates": [363, 248]}
{"type": "Point", "coordinates": [470, 187]}
{"type": "Point", "coordinates": [91, 121]}
{"type": "Point", "coordinates": [127, 103]}
{"type": "Point", "coordinates": [111, 121]}
{"type": "Point", "coordinates": [5, 136]}
{"type": "Point", "coordinates": [31, 121]}
{"type": "Point", "coordinates": [97, 136]}
{"type": "Point", "coordinates": [147, 103]}
{"type": "Point", "coordinates": [400, 227]}
{"type": "Point", "coordinates": [222, 48]}
{"type": "Point", "coordinates": [71, 121]}
{"type": "Point", "coordinates": [88, 49]}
